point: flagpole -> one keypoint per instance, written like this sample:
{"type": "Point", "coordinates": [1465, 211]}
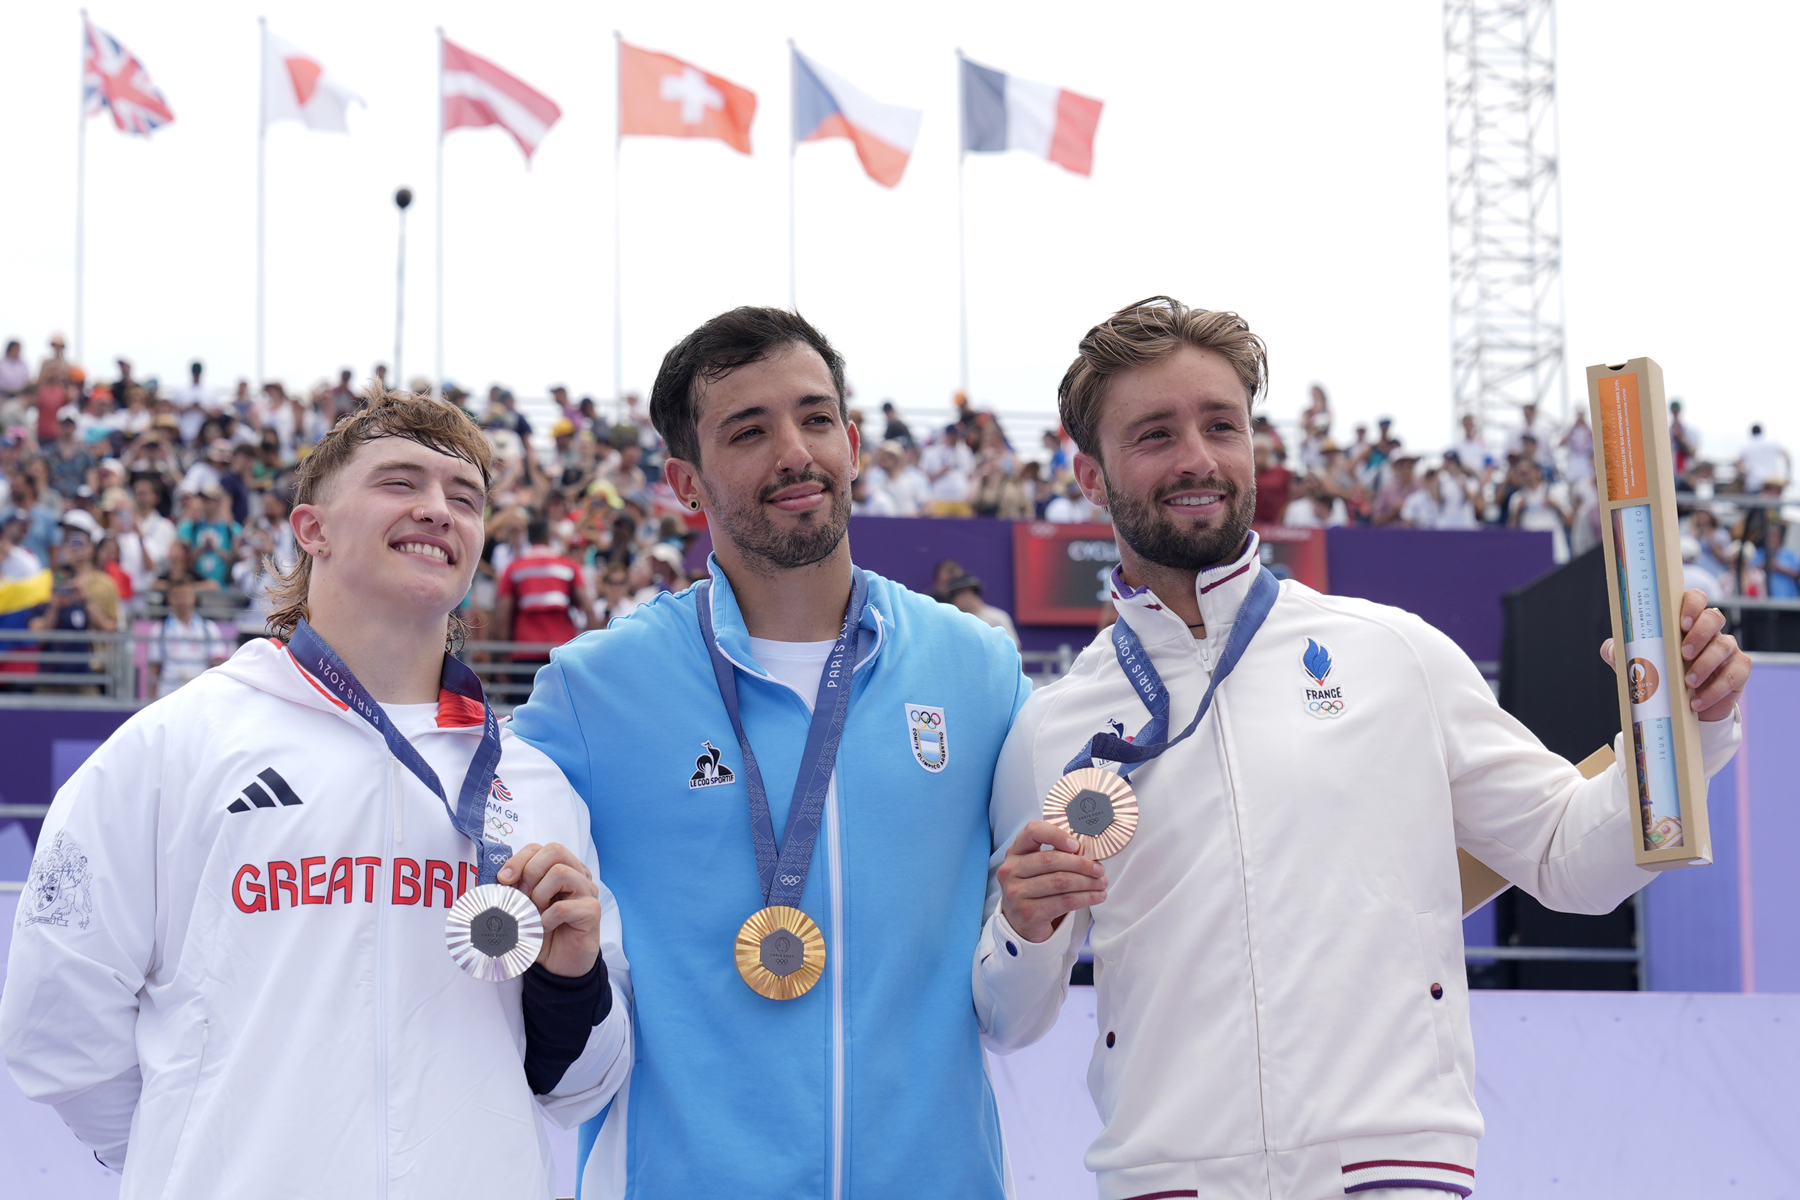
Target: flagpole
{"type": "Point", "coordinates": [438, 367]}
{"type": "Point", "coordinates": [262, 137]}
{"type": "Point", "coordinates": [618, 239]}
{"type": "Point", "coordinates": [962, 251]}
{"type": "Point", "coordinates": [81, 192]}
{"type": "Point", "coordinates": [793, 143]}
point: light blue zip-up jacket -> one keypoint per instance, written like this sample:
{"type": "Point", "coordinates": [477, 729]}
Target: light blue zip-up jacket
{"type": "Point", "coordinates": [872, 1084]}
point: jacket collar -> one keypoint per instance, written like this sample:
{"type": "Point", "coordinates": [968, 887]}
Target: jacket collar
{"type": "Point", "coordinates": [1219, 589]}
{"type": "Point", "coordinates": [734, 636]}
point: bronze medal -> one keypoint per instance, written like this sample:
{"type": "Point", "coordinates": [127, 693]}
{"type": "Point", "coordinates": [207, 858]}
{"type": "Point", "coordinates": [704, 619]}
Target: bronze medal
{"type": "Point", "coordinates": [1097, 808]}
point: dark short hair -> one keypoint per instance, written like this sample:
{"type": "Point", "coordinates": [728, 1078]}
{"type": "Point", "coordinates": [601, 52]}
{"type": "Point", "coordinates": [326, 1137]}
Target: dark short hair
{"type": "Point", "coordinates": [730, 340]}
{"type": "Point", "coordinates": [537, 531]}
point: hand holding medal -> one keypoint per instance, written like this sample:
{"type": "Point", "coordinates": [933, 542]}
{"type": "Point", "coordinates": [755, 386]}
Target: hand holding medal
{"type": "Point", "coordinates": [545, 909]}
{"type": "Point", "coordinates": [1044, 878]}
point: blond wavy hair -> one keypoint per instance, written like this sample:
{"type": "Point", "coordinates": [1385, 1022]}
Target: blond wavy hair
{"type": "Point", "coordinates": [1148, 332]}
{"type": "Point", "coordinates": [433, 424]}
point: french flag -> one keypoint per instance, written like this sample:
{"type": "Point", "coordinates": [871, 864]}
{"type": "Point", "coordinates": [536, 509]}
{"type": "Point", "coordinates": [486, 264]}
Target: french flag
{"type": "Point", "coordinates": [1002, 112]}
{"type": "Point", "coordinates": [826, 105]}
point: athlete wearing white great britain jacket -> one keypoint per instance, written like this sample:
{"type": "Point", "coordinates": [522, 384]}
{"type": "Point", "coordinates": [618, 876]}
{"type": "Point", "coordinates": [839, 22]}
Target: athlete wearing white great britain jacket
{"type": "Point", "coordinates": [229, 972]}
{"type": "Point", "coordinates": [1278, 961]}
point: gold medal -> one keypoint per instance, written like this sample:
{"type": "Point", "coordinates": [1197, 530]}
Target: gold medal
{"type": "Point", "coordinates": [1097, 808]}
{"type": "Point", "coordinates": [780, 952]}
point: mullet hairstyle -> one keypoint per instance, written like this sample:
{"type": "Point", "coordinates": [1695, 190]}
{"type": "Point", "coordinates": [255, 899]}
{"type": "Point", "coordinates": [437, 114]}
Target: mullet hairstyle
{"type": "Point", "coordinates": [730, 340]}
{"type": "Point", "coordinates": [434, 424]}
{"type": "Point", "coordinates": [1146, 332]}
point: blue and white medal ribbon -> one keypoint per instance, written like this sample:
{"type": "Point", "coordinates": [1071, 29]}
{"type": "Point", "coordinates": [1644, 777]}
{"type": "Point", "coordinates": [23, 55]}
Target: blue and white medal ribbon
{"type": "Point", "coordinates": [780, 951]}
{"type": "Point", "coordinates": [1097, 807]}
{"type": "Point", "coordinates": [493, 932]}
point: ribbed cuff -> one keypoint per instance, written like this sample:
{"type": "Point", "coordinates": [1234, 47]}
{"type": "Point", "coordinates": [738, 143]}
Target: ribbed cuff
{"type": "Point", "coordinates": [559, 1014]}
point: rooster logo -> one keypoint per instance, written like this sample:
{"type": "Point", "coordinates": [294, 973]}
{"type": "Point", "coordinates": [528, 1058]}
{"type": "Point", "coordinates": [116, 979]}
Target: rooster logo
{"type": "Point", "coordinates": [709, 771]}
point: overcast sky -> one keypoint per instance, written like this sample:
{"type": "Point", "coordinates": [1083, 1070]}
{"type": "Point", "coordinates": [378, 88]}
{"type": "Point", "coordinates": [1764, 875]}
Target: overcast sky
{"type": "Point", "coordinates": [1284, 160]}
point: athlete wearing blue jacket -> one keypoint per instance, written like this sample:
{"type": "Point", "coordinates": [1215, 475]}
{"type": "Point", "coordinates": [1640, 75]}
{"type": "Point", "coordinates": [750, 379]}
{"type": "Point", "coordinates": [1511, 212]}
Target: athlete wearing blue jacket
{"type": "Point", "coordinates": [872, 1082]}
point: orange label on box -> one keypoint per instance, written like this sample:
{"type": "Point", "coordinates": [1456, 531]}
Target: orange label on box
{"type": "Point", "coordinates": [1622, 438]}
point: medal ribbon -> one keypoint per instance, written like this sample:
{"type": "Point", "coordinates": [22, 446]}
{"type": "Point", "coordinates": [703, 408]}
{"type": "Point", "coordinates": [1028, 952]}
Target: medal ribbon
{"type": "Point", "coordinates": [469, 816]}
{"type": "Point", "coordinates": [1138, 668]}
{"type": "Point", "coordinates": [782, 872]}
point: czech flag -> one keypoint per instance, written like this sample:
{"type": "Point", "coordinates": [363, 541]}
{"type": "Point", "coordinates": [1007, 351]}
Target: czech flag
{"type": "Point", "coordinates": [827, 106]}
{"type": "Point", "coordinates": [1003, 112]}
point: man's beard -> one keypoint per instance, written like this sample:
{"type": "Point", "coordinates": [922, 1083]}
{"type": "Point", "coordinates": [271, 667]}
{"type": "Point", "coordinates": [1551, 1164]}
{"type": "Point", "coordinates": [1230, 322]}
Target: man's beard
{"type": "Point", "coordinates": [1155, 537]}
{"type": "Point", "coordinates": [749, 528]}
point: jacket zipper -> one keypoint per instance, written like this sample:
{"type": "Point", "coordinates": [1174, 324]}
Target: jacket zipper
{"type": "Point", "coordinates": [395, 802]}
{"type": "Point", "coordinates": [834, 872]}
{"type": "Point", "coordinates": [1230, 776]}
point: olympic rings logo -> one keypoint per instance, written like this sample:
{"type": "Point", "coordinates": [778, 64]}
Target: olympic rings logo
{"type": "Point", "coordinates": [929, 720]}
{"type": "Point", "coordinates": [790, 880]}
{"type": "Point", "coordinates": [499, 826]}
{"type": "Point", "coordinates": [1328, 708]}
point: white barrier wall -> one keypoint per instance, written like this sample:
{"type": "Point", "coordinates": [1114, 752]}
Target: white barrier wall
{"type": "Point", "coordinates": [1587, 1094]}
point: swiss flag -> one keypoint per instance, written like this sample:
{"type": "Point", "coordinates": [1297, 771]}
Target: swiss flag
{"type": "Point", "coordinates": [661, 95]}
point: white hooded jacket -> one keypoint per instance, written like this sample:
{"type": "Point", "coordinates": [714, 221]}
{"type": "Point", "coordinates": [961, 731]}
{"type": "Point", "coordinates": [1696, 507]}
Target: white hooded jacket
{"type": "Point", "coordinates": [228, 970]}
{"type": "Point", "coordinates": [1283, 1010]}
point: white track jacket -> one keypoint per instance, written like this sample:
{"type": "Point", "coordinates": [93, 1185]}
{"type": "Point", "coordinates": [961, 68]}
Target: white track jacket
{"type": "Point", "coordinates": [1283, 1011]}
{"type": "Point", "coordinates": [228, 970]}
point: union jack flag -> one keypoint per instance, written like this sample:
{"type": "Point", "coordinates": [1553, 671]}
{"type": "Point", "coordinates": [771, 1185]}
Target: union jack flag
{"type": "Point", "coordinates": [114, 79]}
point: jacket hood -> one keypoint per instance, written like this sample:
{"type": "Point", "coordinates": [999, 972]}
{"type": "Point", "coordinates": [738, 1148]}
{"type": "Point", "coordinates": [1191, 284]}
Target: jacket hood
{"type": "Point", "coordinates": [267, 665]}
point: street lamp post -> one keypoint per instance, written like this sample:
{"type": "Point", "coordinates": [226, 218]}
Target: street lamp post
{"type": "Point", "coordinates": [402, 198]}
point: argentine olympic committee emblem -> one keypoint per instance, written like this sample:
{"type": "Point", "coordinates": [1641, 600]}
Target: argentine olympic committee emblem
{"type": "Point", "coordinates": [929, 734]}
{"type": "Point", "coordinates": [1324, 700]}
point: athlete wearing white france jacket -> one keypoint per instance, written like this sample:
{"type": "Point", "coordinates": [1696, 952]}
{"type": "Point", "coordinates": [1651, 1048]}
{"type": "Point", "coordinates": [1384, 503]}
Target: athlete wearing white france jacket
{"type": "Point", "coordinates": [1278, 959]}
{"type": "Point", "coordinates": [229, 972]}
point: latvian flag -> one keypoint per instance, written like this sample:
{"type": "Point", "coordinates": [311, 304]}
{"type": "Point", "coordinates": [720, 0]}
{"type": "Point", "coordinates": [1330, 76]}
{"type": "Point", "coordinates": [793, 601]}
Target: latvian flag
{"type": "Point", "coordinates": [477, 93]}
{"type": "Point", "coordinates": [826, 106]}
{"type": "Point", "coordinates": [1003, 112]}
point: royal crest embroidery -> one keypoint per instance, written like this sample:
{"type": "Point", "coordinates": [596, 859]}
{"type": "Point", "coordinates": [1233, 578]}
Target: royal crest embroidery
{"type": "Point", "coordinates": [1322, 701]}
{"type": "Point", "coordinates": [59, 890]}
{"type": "Point", "coordinates": [709, 771]}
{"type": "Point", "coordinates": [929, 734]}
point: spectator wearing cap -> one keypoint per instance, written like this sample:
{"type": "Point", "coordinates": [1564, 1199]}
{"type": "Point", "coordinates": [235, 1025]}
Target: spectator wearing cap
{"type": "Point", "coordinates": [54, 376]}
{"type": "Point", "coordinates": [16, 561]}
{"type": "Point", "coordinates": [1391, 497]}
{"type": "Point", "coordinates": [615, 599]}
{"type": "Point", "coordinates": [83, 596]}
{"type": "Point", "coordinates": [624, 472]}
{"type": "Point", "coordinates": [895, 430]}
{"type": "Point", "coordinates": [15, 373]}
{"type": "Point", "coordinates": [965, 593]}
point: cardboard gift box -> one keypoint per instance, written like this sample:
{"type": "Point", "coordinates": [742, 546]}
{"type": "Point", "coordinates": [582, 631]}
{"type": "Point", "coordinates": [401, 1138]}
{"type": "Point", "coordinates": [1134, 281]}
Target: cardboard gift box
{"type": "Point", "coordinates": [1635, 473]}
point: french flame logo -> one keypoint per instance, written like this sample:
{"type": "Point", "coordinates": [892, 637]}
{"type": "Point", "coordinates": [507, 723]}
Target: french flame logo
{"type": "Point", "coordinates": [1317, 661]}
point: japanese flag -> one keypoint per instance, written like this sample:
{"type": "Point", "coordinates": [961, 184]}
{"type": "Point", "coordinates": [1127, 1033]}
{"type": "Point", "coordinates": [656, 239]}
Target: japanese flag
{"type": "Point", "coordinates": [296, 87]}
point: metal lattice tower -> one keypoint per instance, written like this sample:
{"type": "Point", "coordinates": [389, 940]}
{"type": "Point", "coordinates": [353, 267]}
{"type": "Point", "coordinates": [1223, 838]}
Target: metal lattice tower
{"type": "Point", "coordinates": [1506, 304]}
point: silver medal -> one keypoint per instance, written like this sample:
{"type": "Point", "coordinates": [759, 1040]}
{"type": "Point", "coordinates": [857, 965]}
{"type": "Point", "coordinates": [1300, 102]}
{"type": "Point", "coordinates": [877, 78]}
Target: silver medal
{"type": "Point", "coordinates": [494, 932]}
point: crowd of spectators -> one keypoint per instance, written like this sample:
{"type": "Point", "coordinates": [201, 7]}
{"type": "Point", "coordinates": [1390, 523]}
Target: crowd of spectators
{"type": "Point", "coordinates": [165, 509]}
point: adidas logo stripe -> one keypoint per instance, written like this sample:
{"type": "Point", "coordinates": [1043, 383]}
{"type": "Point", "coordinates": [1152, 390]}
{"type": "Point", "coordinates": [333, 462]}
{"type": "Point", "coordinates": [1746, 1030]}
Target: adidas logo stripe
{"type": "Point", "coordinates": [259, 798]}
